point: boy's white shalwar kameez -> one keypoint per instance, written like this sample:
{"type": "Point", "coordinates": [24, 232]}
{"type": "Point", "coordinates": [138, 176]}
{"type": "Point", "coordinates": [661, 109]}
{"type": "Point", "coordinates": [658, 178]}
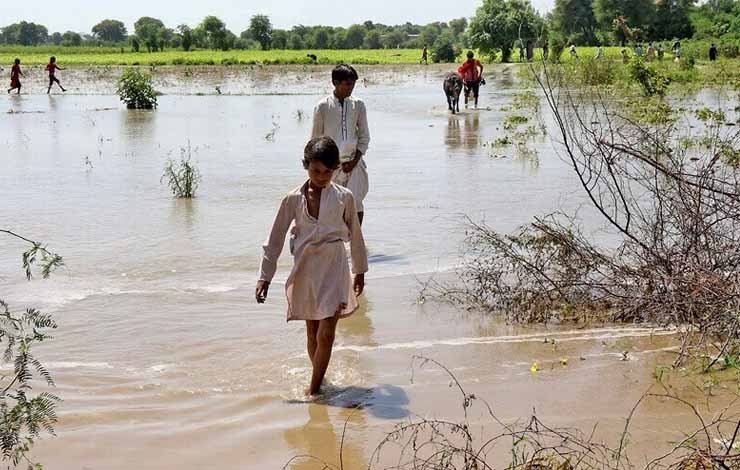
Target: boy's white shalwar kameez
{"type": "Point", "coordinates": [346, 123]}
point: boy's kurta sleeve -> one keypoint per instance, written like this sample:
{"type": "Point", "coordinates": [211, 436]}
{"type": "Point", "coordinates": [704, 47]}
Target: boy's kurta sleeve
{"type": "Point", "coordinates": [358, 252]}
{"type": "Point", "coordinates": [273, 246]}
{"type": "Point", "coordinates": [318, 122]}
{"type": "Point", "coordinates": [363, 130]}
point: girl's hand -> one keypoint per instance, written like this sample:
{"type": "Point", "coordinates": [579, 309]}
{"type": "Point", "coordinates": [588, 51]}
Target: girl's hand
{"type": "Point", "coordinates": [260, 292]}
{"type": "Point", "coordinates": [359, 284]}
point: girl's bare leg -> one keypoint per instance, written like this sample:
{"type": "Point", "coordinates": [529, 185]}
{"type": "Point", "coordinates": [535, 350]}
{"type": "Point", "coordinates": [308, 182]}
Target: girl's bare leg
{"type": "Point", "coordinates": [325, 337]}
{"type": "Point", "coordinates": [312, 331]}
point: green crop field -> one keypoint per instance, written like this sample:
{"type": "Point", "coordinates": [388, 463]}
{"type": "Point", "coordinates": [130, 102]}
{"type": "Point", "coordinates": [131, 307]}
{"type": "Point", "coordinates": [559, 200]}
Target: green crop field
{"type": "Point", "coordinates": [92, 56]}
{"type": "Point", "coordinates": [111, 56]}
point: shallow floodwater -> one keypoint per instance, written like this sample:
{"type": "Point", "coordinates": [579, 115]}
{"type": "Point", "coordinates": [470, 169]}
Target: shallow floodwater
{"type": "Point", "coordinates": [162, 356]}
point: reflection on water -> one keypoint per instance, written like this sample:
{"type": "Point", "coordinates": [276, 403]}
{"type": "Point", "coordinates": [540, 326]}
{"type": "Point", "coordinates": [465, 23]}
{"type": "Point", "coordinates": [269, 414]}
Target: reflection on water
{"type": "Point", "coordinates": [465, 136]}
{"type": "Point", "coordinates": [358, 328]}
{"type": "Point", "coordinates": [319, 441]}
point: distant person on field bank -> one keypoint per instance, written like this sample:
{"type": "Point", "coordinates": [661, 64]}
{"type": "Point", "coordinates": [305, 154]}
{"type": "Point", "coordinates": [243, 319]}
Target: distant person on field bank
{"type": "Point", "coordinates": [52, 67]}
{"type": "Point", "coordinates": [521, 51]}
{"type": "Point", "coordinates": [677, 51]}
{"type": "Point", "coordinates": [573, 52]}
{"type": "Point", "coordinates": [713, 53]}
{"type": "Point", "coordinates": [599, 53]}
{"type": "Point", "coordinates": [530, 50]}
{"type": "Point", "coordinates": [424, 56]}
{"type": "Point", "coordinates": [638, 50]}
{"type": "Point", "coordinates": [625, 56]}
{"type": "Point", "coordinates": [343, 117]}
{"type": "Point", "coordinates": [545, 50]}
{"type": "Point", "coordinates": [661, 52]}
{"type": "Point", "coordinates": [15, 76]}
{"type": "Point", "coordinates": [471, 71]}
{"type": "Point", "coordinates": [650, 56]}
{"type": "Point", "coordinates": [320, 289]}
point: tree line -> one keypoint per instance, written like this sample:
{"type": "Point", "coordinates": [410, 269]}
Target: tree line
{"type": "Point", "coordinates": [152, 34]}
{"type": "Point", "coordinates": [497, 27]}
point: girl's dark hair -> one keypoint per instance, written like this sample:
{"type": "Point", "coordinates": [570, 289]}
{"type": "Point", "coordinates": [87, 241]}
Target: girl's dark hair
{"type": "Point", "coordinates": [17, 61]}
{"type": "Point", "coordinates": [52, 59]}
{"type": "Point", "coordinates": [343, 72]}
{"type": "Point", "coordinates": [470, 54]}
{"type": "Point", "coordinates": [322, 149]}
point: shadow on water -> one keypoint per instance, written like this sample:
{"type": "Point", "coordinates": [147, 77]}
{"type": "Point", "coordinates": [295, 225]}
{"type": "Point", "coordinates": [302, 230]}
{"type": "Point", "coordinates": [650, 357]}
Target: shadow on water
{"type": "Point", "coordinates": [322, 440]}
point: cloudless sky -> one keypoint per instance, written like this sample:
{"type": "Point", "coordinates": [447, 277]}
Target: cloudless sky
{"type": "Point", "coordinates": [81, 15]}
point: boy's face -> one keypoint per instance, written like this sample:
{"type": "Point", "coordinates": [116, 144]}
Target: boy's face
{"type": "Point", "coordinates": [319, 174]}
{"type": "Point", "coordinates": [344, 88]}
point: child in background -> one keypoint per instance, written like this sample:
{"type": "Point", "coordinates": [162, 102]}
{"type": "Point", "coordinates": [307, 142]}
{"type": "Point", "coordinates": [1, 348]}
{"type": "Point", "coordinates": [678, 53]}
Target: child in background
{"type": "Point", "coordinates": [52, 67]}
{"type": "Point", "coordinates": [15, 76]}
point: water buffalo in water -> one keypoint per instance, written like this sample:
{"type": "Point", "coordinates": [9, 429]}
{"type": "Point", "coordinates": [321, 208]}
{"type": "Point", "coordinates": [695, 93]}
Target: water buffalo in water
{"type": "Point", "coordinates": [452, 86]}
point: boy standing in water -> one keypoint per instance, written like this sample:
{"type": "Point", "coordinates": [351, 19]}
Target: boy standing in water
{"type": "Point", "coordinates": [319, 288]}
{"type": "Point", "coordinates": [15, 76]}
{"type": "Point", "coordinates": [343, 117]}
{"type": "Point", "coordinates": [52, 67]}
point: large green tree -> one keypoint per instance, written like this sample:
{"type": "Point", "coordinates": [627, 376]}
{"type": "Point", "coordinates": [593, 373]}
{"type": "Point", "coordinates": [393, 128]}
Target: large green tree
{"type": "Point", "coordinates": [110, 31]}
{"type": "Point", "coordinates": [499, 23]}
{"type": "Point", "coordinates": [215, 31]}
{"type": "Point", "coordinates": [279, 39]}
{"type": "Point", "coordinates": [575, 20]}
{"type": "Point", "coordinates": [260, 30]}
{"type": "Point", "coordinates": [151, 32]}
{"type": "Point", "coordinates": [25, 34]}
{"type": "Point", "coordinates": [70, 38]}
{"type": "Point", "coordinates": [355, 36]}
{"type": "Point", "coordinates": [671, 20]}
{"type": "Point", "coordinates": [626, 19]}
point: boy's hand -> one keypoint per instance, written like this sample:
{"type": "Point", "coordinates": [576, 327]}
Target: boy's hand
{"type": "Point", "coordinates": [359, 284]}
{"type": "Point", "coordinates": [261, 292]}
{"type": "Point", "coordinates": [347, 167]}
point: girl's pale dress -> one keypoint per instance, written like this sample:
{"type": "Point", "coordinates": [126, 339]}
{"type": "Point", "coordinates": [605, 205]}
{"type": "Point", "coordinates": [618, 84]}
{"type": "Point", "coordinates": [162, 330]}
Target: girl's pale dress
{"type": "Point", "coordinates": [320, 285]}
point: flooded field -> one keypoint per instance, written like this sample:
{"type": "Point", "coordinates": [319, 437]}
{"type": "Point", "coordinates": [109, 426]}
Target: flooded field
{"type": "Point", "coordinates": [162, 356]}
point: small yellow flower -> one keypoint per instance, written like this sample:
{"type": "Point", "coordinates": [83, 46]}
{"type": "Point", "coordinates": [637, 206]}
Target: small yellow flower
{"type": "Point", "coordinates": [535, 367]}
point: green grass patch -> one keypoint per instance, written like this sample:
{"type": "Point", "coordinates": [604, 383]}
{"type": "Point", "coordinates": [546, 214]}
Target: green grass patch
{"type": "Point", "coordinates": [81, 56]}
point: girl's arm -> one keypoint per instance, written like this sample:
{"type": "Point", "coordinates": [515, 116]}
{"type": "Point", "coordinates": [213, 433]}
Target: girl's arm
{"type": "Point", "coordinates": [272, 248]}
{"type": "Point", "coordinates": [358, 251]}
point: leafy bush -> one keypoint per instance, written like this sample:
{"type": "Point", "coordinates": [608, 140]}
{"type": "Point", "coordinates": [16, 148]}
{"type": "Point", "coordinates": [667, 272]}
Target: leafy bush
{"type": "Point", "coordinates": [651, 81]}
{"type": "Point", "coordinates": [136, 90]}
{"type": "Point", "coordinates": [182, 177]}
{"type": "Point", "coordinates": [688, 62]}
{"type": "Point", "coordinates": [729, 50]}
{"type": "Point", "coordinates": [443, 49]}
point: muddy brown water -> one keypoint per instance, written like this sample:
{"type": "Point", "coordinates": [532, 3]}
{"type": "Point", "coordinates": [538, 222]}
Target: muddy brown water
{"type": "Point", "coordinates": [163, 358]}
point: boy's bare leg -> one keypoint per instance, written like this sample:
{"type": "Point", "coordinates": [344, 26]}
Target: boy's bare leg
{"type": "Point", "coordinates": [325, 336]}
{"type": "Point", "coordinates": [312, 331]}
{"type": "Point", "coordinates": [360, 216]}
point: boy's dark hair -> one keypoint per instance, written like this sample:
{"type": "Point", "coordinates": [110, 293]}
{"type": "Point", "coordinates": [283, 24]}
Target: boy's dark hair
{"type": "Point", "coordinates": [470, 54]}
{"type": "Point", "coordinates": [52, 59]}
{"type": "Point", "coordinates": [343, 72]}
{"type": "Point", "coordinates": [17, 61]}
{"type": "Point", "coordinates": [323, 149]}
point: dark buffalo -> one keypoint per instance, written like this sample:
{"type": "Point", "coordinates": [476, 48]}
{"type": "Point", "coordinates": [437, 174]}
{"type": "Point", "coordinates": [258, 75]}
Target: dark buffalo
{"type": "Point", "coordinates": [452, 86]}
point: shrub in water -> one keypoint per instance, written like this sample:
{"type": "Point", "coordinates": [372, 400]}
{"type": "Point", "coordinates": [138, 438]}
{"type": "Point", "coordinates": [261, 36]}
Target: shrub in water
{"type": "Point", "coordinates": [182, 177]}
{"type": "Point", "coordinates": [136, 90]}
{"type": "Point", "coordinates": [651, 81]}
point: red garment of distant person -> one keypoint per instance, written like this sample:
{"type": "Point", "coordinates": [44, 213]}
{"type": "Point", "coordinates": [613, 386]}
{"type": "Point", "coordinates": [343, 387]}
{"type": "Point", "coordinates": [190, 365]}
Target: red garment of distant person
{"type": "Point", "coordinates": [469, 70]}
{"type": "Point", "coordinates": [51, 68]}
{"type": "Point", "coordinates": [15, 76]}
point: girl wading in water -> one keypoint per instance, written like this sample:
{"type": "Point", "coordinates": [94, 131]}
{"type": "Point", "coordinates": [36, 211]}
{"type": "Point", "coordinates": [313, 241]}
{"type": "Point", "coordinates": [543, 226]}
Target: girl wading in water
{"type": "Point", "coordinates": [319, 289]}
